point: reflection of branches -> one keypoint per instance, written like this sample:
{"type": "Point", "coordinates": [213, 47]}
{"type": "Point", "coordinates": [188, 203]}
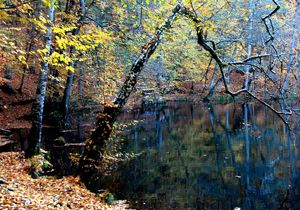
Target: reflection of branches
{"type": "Point", "coordinates": [217, 143]}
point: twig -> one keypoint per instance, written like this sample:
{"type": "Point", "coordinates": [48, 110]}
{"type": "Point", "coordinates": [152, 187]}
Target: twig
{"type": "Point", "coordinates": [264, 19]}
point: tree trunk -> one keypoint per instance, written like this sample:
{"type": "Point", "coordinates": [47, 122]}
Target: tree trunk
{"type": "Point", "coordinates": [70, 78]}
{"type": "Point", "coordinates": [35, 136]}
{"type": "Point", "coordinates": [212, 85]}
{"type": "Point", "coordinates": [249, 46]}
{"type": "Point", "coordinates": [30, 45]}
{"type": "Point", "coordinates": [93, 153]}
{"type": "Point", "coordinates": [298, 70]}
{"type": "Point", "coordinates": [80, 82]}
{"type": "Point", "coordinates": [68, 91]}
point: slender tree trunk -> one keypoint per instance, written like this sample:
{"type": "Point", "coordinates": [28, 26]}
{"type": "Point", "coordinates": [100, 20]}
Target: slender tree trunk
{"type": "Point", "coordinates": [212, 81]}
{"type": "Point", "coordinates": [70, 78]}
{"type": "Point", "coordinates": [249, 47]}
{"type": "Point", "coordinates": [94, 149]}
{"type": "Point", "coordinates": [293, 47]}
{"type": "Point", "coordinates": [289, 65]}
{"type": "Point", "coordinates": [69, 7]}
{"type": "Point", "coordinates": [68, 90]}
{"type": "Point", "coordinates": [24, 67]}
{"type": "Point", "coordinates": [298, 70]}
{"type": "Point", "coordinates": [35, 135]}
{"type": "Point", "coordinates": [80, 82]}
{"type": "Point", "coordinates": [212, 85]}
{"type": "Point", "coordinates": [33, 33]}
{"type": "Point", "coordinates": [98, 83]}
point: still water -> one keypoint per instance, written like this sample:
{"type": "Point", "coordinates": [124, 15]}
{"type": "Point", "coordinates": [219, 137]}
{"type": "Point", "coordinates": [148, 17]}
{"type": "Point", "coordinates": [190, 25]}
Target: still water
{"type": "Point", "coordinates": [198, 157]}
{"type": "Point", "coordinates": [210, 157]}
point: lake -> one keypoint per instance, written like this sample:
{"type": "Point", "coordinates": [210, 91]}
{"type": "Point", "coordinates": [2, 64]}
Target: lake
{"type": "Point", "coordinates": [210, 157]}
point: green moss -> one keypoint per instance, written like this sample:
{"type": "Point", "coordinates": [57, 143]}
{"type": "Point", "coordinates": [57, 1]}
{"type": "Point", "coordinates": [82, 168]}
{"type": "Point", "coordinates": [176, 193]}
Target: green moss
{"type": "Point", "coordinates": [109, 198]}
{"type": "Point", "coordinates": [39, 165]}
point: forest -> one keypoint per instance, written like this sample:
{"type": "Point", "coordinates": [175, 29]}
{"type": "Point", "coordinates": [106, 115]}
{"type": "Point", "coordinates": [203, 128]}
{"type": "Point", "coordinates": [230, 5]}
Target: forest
{"type": "Point", "coordinates": [149, 104]}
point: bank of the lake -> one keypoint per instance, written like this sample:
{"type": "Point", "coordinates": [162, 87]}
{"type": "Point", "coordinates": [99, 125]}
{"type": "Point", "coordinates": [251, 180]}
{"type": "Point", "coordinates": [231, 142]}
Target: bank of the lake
{"type": "Point", "coordinates": [19, 190]}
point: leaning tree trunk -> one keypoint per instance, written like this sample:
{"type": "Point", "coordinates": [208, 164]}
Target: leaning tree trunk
{"type": "Point", "coordinates": [93, 153]}
{"type": "Point", "coordinates": [35, 135]}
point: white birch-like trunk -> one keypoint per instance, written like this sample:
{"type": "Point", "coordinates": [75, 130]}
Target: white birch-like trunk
{"type": "Point", "coordinates": [249, 46]}
{"type": "Point", "coordinates": [35, 136]}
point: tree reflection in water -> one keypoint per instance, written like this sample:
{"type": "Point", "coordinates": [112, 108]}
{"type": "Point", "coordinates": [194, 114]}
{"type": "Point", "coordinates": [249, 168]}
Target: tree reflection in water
{"type": "Point", "coordinates": [210, 158]}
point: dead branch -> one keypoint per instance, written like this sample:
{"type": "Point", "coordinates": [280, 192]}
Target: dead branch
{"type": "Point", "coordinates": [243, 62]}
{"type": "Point", "coordinates": [202, 42]}
{"type": "Point", "coordinates": [268, 17]}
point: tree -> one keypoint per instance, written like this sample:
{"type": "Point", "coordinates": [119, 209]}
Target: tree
{"type": "Point", "coordinates": [35, 136]}
{"type": "Point", "coordinates": [32, 33]}
{"type": "Point", "coordinates": [70, 77]}
{"type": "Point", "coordinates": [93, 153]}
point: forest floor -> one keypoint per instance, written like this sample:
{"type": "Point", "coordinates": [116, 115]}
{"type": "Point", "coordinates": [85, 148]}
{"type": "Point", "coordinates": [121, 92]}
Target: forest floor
{"type": "Point", "coordinates": [16, 107]}
{"type": "Point", "coordinates": [19, 190]}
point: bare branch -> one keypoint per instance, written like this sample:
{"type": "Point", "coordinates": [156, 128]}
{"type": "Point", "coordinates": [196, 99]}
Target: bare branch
{"type": "Point", "coordinates": [268, 17]}
{"type": "Point", "coordinates": [202, 42]}
{"type": "Point", "coordinates": [243, 62]}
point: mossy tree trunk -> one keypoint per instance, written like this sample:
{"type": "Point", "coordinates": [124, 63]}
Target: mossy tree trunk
{"type": "Point", "coordinates": [94, 149]}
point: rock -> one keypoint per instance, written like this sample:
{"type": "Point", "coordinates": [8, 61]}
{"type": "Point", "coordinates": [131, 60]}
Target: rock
{"type": "Point", "coordinates": [5, 132]}
{"type": "Point", "coordinates": [109, 198]}
{"type": "Point", "coordinates": [59, 142]}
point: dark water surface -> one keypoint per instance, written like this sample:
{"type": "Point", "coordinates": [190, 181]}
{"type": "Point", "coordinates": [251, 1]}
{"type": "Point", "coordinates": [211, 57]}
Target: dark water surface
{"type": "Point", "coordinates": [220, 157]}
{"type": "Point", "coordinates": [198, 157]}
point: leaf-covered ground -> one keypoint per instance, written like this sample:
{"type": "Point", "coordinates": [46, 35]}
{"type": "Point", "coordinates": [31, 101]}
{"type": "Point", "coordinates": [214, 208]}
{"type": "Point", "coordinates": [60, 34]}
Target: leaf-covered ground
{"type": "Point", "coordinates": [18, 190]}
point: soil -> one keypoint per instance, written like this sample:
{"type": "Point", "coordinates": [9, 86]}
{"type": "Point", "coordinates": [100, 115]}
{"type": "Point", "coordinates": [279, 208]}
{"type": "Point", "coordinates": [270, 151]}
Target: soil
{"type": "Point", "coordinates": [15, 109]}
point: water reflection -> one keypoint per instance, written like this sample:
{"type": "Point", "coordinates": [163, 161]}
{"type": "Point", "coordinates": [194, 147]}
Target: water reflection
{"type": "Point", "coordinates": [215, 157]}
